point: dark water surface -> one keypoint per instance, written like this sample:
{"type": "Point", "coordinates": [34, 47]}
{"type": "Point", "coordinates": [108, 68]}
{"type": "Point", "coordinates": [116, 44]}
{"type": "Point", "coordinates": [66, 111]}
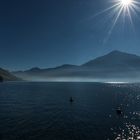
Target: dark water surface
{"type": "Point", "coordinates": [42, 111]}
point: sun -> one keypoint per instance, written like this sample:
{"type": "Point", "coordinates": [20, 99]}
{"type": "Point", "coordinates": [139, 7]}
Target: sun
{"type": "Point", "coordinates": [126, 2]}
{"type": "Point", "coordinates": [123, 10]}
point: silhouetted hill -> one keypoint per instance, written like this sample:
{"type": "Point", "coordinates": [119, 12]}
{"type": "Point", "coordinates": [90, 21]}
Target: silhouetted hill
{"type": "Point", "coordinates": [115, 60]}
{"type": "Point", "coordinates": [7, 76]}
{"type": "Point", "coordinates": [116, 64]}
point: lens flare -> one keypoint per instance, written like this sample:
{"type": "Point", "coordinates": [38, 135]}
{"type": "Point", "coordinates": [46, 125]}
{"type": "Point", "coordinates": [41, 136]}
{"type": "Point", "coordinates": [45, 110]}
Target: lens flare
{"type": "Point", "coordinates": [121, 8]}
{"type": "Point", "coordinates": [126, 2]}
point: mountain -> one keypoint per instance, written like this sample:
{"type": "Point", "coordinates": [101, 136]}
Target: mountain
{"type": "Point", "coordinates": [115, 65]}
{"type": "Point", "coordinates": [114, 61]}
{"type": "Point", "coordinates": [7, 76]}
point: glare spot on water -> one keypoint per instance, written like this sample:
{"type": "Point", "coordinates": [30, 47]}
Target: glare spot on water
{"type": "Point", "coordinates": [131, 132]}
{"type": "Point", "coordinates": [138, 97]}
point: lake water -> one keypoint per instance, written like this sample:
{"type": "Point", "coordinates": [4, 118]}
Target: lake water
{"type": "Point", "coordinates": [42, 111]}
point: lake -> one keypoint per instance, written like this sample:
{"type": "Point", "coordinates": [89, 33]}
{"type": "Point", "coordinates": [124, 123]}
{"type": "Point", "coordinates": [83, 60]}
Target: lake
{"type": "Point", "coordinates": [42, 111]}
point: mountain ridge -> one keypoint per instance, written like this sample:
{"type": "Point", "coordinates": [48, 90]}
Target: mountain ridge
{"type": "Point", "coordinates": [115, 64]}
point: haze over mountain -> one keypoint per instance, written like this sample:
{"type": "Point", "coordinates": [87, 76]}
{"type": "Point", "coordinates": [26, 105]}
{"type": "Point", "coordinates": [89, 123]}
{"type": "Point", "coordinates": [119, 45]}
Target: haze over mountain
{"type": "Point", "coordinates": [114, 66]}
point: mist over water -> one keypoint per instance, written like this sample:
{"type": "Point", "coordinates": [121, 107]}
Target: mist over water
{"type": "Point", "coordinates": [84, 79]}
{"type": "Point", "coordinates": [41, 110]}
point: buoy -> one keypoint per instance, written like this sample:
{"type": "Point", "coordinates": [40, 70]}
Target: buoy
{"type": "Point", "coordinates": [71, 100]}
{"type": "Point", "coordinates": [119, 111]}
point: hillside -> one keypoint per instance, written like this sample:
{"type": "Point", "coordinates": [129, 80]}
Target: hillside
{"type": "Point", "coordinates": [7, 76]}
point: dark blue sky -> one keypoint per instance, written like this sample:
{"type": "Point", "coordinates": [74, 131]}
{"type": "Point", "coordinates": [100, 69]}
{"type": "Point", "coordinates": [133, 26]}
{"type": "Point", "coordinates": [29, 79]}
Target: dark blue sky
{"type": "Point", "coordinates": [48, 33]}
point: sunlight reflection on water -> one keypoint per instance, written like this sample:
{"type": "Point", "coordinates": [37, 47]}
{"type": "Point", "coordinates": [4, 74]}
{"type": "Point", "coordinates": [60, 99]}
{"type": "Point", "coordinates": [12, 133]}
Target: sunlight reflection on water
{"type": "Point", "coordinates": [131, 132]}
{"type": "Point", "coordinates": [42, 111]}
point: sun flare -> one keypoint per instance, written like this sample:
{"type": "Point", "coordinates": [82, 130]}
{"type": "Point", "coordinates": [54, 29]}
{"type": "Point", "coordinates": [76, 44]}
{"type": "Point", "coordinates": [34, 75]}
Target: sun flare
{"type": "Point", "coordinates": [124, 10]}
{"type": "Point", "coordinates": [126, 2]}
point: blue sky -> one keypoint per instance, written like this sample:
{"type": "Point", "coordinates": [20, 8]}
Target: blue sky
{"type": "Point", "coordinates": [48, 33]}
